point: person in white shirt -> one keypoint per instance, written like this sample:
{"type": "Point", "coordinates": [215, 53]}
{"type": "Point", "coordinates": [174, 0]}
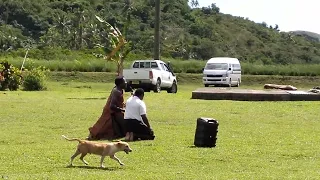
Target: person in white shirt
{"type": "Point", "coordinates": [135, 117]}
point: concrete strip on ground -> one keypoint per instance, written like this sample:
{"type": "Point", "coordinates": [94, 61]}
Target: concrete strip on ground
{"type": "Point", "coordinates": [253, 95]}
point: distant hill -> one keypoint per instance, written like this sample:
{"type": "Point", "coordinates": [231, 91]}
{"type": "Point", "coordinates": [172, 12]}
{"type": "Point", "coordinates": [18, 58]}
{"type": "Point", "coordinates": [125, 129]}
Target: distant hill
{"type": "Point", "coordinates": [186, 33]}
{"type": "Point", "coordinates": [311, 36]}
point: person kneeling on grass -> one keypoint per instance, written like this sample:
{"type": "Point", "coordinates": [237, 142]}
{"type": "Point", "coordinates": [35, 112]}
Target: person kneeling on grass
{"type": "Point", "coordinates": [135, 117]}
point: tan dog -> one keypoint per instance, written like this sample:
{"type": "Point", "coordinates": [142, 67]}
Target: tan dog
{"type": "Point", "coordinates": [102, 149]}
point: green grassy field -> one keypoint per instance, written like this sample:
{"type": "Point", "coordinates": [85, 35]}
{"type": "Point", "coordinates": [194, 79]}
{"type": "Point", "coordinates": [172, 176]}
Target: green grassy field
{"type": "Point", "coordinates": [256, 140]}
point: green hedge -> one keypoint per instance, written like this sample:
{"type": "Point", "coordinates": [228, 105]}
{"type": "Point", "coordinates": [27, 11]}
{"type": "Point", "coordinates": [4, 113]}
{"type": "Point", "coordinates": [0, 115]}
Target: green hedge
{"type": "Point", "coordinates": [179, 66]}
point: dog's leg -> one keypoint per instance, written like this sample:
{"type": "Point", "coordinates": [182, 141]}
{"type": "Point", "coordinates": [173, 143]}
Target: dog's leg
{"type": "Point", "coordinates": [116, 159]}
{"type": "Point", "coordinates": [84, 161]}
{"type": "Point", "coordinates": [73, 156]}
{"type": "Point", "coordinates": [101, 161]}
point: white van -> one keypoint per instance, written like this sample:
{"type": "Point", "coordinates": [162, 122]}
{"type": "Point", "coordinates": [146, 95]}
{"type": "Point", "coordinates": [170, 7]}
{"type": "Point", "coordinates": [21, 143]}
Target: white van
{"type": "Point", "coordinates": [222, 71]}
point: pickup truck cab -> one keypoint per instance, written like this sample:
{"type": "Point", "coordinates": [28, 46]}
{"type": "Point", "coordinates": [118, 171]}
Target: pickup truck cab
{"type": "Point", "coordinates": [151, 75]}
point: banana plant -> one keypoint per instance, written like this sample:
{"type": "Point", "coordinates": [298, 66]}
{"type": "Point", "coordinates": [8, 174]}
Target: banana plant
{"type": "Point", "coordinates": [118, 48]}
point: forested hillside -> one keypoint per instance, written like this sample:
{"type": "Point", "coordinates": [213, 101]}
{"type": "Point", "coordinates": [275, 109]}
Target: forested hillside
{"type": "Point", "coordinates": [308, 35]}
{"type": "Point", "coordinates": [55, 28]}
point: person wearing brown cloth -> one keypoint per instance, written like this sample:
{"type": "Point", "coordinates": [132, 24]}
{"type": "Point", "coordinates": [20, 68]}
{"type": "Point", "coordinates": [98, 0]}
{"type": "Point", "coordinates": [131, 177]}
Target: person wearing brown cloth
{"type": "Point", "coordinates": [110, 125]}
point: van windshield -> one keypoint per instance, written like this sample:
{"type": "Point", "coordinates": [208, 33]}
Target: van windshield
{"type": "Point", "coordinates": [217, 66]}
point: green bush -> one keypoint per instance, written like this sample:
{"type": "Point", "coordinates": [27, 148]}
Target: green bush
{"type": "Point", "coordinates": [34, 80]}
{"type": "Point", "coordinates": [10, 77]}
{"type": "Point", "coordinates": [179, 66]}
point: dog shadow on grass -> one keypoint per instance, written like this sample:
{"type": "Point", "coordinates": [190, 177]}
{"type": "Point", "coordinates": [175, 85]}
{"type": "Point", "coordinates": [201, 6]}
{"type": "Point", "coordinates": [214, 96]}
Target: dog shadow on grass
{"type": "Point", "coordinates": [95, 167]}
{"type": "Point", "coordinates": [198, 147]}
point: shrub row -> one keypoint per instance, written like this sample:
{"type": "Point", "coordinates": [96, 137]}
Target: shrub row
{"type": "Point", "coordinates": [11, 78]}
{"type": "Point", "coordinates": [179, 66]}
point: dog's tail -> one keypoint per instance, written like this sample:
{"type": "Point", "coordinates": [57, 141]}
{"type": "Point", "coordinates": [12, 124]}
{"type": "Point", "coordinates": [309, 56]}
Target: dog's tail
{"type": "Point", "coordinates": [73, 139]}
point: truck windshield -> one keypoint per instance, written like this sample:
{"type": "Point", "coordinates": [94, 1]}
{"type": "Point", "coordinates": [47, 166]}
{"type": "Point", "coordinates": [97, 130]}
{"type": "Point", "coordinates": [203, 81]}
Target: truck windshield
{"type": "Point", "coordinates": [217, 66]}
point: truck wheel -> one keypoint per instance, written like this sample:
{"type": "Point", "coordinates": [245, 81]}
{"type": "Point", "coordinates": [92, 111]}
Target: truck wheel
{"type": "Point", "coordinates": [157, 87]}
{"type": "Point", "coordinates": [230, 83]}
{"type": "Point", "coordinates": [128, 88]}
{"type": "Point", "coordinates": [238, 83]}
{"type": "Point", "coordinates": [206, 85]}
{"type": "Point", "coordinates": [173, 89]}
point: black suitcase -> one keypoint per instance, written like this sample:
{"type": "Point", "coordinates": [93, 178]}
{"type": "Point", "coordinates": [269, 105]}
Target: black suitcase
{"type": "Point", "coordinates": [206, 132]}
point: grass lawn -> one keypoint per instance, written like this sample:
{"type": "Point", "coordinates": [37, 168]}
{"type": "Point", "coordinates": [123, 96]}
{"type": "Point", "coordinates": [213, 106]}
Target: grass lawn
{"type": "Point", "coordinates": [256, 140]}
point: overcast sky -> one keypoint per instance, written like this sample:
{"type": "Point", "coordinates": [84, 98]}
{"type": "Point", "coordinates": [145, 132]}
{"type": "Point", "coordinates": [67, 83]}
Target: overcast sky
{"type": "Point", "coordinates": [290, 15]}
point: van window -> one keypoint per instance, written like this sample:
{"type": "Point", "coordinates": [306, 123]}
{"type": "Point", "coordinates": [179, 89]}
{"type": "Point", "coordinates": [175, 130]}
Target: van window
{"type": "Point", "coordinates": [236, 67]}
{"type": "Point", "coordinates": [217, 66]}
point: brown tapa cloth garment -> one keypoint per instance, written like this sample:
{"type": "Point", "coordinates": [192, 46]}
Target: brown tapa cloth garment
{"type": "Point", "coordinates": [110, 125]}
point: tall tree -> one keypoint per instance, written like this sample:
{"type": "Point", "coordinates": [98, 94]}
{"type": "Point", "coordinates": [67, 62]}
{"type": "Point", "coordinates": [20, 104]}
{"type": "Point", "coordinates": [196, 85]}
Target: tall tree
{"type": "Point", "coordinates": [157, 31]}
{"type": "Point", "coordinates": [194, 3]}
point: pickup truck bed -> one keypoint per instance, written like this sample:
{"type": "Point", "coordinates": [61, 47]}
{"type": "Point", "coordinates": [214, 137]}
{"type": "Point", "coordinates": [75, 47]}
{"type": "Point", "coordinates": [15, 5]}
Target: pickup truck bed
{"type": "Point", "coordinates": [150, 75]}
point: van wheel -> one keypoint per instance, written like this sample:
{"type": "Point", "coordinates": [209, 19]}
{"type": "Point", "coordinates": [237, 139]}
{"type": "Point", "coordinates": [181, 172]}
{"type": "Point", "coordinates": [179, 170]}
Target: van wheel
{"type": "Point", "coordinates": [174, 88]}
{"type": "Point", "coordinates": [238, 83]}
{"type": "Point", "coordinates": [157, 87]}
{"type": "Point", "coordinates": [206, 85]}
{"type": "Point", "coordinates": [230, 83]}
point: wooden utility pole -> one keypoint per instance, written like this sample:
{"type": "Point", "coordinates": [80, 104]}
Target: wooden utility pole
{"type": "Point", "coordinates": [157, 32]}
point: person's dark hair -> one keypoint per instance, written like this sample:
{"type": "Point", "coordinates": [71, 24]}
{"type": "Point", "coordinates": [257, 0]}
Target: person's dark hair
{"type": "Point", "coordinates": [139, 92]}
{"type": "Point", "coordinates": [118, 80]}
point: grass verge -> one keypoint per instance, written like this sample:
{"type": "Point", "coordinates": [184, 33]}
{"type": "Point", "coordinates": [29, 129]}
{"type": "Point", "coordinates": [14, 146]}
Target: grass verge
{"type": "Point", "coordinates": [187, 78]}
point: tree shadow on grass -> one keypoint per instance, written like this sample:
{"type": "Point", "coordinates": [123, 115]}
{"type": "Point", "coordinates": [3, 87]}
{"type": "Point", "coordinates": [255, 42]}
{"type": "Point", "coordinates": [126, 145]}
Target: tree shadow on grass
{"type": "Point", "coordinates": [95, 167]}
{"type": "Point", "coordinates": [102, 98]}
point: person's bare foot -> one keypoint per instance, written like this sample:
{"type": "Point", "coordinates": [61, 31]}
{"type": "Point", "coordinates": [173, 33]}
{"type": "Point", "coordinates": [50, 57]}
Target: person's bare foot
{"type": "Point", "coordinates": [131, 136]}
{"type": "Point", "coordinates": [127, 138]}
{"type": "Point", "coordinates": [89, 137]}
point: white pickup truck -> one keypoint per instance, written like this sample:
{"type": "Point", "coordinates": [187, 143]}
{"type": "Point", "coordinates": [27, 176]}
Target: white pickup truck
{"type": "Point", "coordinates": [151, 75]}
